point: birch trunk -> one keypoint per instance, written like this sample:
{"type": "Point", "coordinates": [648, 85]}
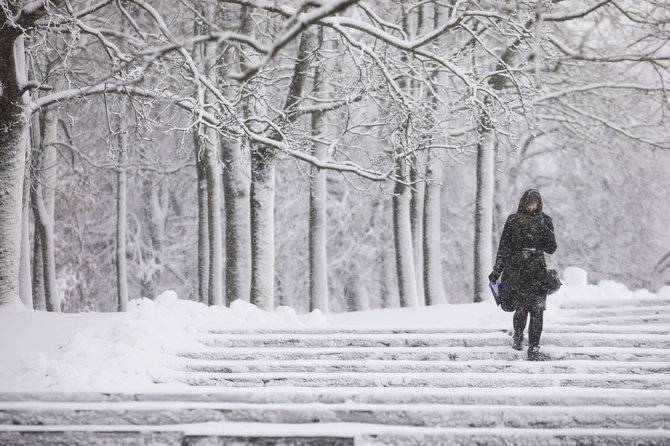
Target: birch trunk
{"type": "Point", "coordinates": [387, 292]}
{"type": "Point", "coordinates": [356, 296]}
{"type": "Point", "coordinates": [156, 208]}
{"type": "Point", "coordinates": [44, 227]}
{"type": "Point", "coordinates": [318, 255]}
{"type": "Point", "coordinates": [44, 200]}
{"type": "Point", "coordinates": [203, 231]}
{"type": "Point", "coordinates": [215, 239]}
{"type": "Point", "coordinates": [121, 221]}
{"type": "Point", "coordinates": [209, 149]}
{"type": "Point", "coordinates": [236, 175]}
{"type": "Point", "coordinates": [402, 218]}
{"type": "Point", "coordinates": [318, 260]}
{"type": "Point", "coordinates": [432, 253]}
{"type": "Point", "coordinates": [238, 235]}
{"type": "Point", "coordinates": [484, 213]}
{"type": "Point", "coordinates": [48, 153]}
{"type": "Point", "coordinates": [26, 288]}
{"type": "Point", "coordinates": [262, 199]}
{"type": "Point", "coordinates": [39, 301]}
{"type": "Point", "coordinates": [13, 140]}
{"type": "Point", "coordinates": [416, 216]}
{"type": "Point", "coordinates": [12, 165]}
{"type": "Point", "coordinates": [402, 236]}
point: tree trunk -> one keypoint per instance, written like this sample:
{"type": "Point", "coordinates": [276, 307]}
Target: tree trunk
{"type": "Point", "coordinates": [13, 140]}
{"type": "Point", "coordinates": [26, 289]}
{"type": "Point", "coordinates": [402, 236]}
{"type": "Point", "coordinates": [203, 227]}
{"type": "Point", "coordinates": [318, 254]}
{"type": "Point", "coordinates": [121, 219]}
{"type": "Point", "coordinates": [318, 260]}
{"type": "Point", "coordinates": [356, 295]}
{"type": "Point", "coordinates": [432, 231]}
{"type": "Point", "coordinates": [262, 227]}
{"type": "Point", "coordinates": [156, 205]}
{"type": "Point", "coordinates": [43, 204]}
{"type": "Point", "coordinates": [44, 228]}
{"type": "Point", "coordinates": [238, 235]}
{"type": "Point", "coordinates": [213, 174]}
{"type": "Point", "coordinates": [49, 156]}
{"type": "Point", "coordinates": [39, 301]}
{"type": "Point", "coordinates": [484, 213]}
{"type": "Point", "coordinates": [387, 291]}
{"type": "Point", "coordinates": [12, 165]}
{"type": "Point", "coordinates": [416, 217]}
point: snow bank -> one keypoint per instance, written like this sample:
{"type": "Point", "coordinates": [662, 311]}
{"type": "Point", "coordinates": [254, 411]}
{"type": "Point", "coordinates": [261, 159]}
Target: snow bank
{"type": "Point", "coordinates": [131, 351]}
{"type": "Point", "coordinates": [117, 351]}
{"type": "Point", "coordinates": [576, 286]}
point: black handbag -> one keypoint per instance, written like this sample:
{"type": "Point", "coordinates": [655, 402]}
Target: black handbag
{"type": "Point", "coordinates": [553, 282]}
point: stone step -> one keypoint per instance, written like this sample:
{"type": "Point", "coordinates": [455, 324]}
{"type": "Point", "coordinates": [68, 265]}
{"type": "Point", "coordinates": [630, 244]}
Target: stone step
{"type": "Point", "coordinates": [442, 415]}
{"type": "Point", "coordinates": [343, 379]}
{"type": "Point", "coordinates": [505, 353]}
{"type": "Point", "coordinates": [323, 434]}
{"type": "Point", "coordinates": [658, 319]}
{"type": "Point", "coordinates": [517, 437]}
{"type": "Point", "coordinates": [18, 436]}
{"type": "Point", "coordinates": [130, 437]}
{"type": "Point", "coordinates": [616, 312]}
{"type": "Point", "coordinates": [409, 366]}
{"type": "Point", "coordinates": [613, 303]}
{"type": "Point", "coordinates": [428, 340]}
{"type": "Point", "coordinates": [546, 396]}
{"type": "Point", "coordinates": [329, 329]}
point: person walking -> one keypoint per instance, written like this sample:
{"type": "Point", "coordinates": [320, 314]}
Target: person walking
{"type": "Point", "coordinates": [527, 235]}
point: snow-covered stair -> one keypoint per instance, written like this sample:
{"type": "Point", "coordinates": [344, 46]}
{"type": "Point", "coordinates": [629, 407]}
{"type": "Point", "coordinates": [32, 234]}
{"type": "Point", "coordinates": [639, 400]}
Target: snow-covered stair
{"type": "Point", "coordinates": [608, 383]}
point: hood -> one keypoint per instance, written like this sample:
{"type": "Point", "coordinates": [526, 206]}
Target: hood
{"type": "Point", "coordinates": [530, 196]}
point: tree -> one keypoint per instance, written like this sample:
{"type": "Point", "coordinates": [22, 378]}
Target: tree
{"type": "Point", "coordinates": [121, 211]}
{"type": "Point", "coordinates": [12, 145]}
{"type": "Point", "coordinates": [318, 260]}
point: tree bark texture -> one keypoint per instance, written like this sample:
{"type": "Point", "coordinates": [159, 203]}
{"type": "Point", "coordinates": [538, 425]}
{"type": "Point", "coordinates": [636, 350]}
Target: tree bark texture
{"type": "Point", "coordinates": [432, 231]}
{"type": "Point", "coordinates": [44, 228]}
{"type": "Point", "coordinates": [402, 236]}
{"type": "Point", "coordinates": [213, 174]}
{"type": "Point", "coordinates": [483, 249]}
{"type": "Point", "coordinates": [43, 199]}
{"type": "Point", "coordinates": [416, 217]}
{"type": "Point", "coordinates": [25, 278]}
{"type": "Point", "coordinates": [13, 140]}
{"type": "Point", "coordinates": [262, 227]}
{"type": "Point", "coordinates": [203, 227]}
{"type": "Point", "coordinates": [156, 209]}
{"type": "Point", "coordinates": [209, 149]}
{"type": "Point", "coordinates": [39, 301]}
{"type": "Point", "coordinates": [121, 220]}
{"type": "Point", "coordinates": [238, 235]}
{"type": "Point", "coordinates": [318, 230]}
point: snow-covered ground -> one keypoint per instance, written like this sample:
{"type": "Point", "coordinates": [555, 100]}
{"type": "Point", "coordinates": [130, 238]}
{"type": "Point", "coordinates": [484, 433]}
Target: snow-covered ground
{"type": "Point", "coordinates": [133, 351]}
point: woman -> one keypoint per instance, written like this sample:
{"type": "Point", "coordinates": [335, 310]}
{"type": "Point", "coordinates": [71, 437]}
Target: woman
{"type": "Point", "coordinates": [527, 235]}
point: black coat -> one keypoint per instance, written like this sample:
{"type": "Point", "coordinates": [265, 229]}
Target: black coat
{"type": "Point", "coordinates": [520, 259]}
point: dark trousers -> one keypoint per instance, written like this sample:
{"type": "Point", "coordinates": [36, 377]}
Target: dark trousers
{"type": "Point", "coordinates": [535, 327]}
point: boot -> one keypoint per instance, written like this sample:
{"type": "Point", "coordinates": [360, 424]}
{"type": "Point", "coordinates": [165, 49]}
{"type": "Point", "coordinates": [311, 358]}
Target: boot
{"type": "Point", "coordinates": [518, 344]}
{"type": "Point", "coordinates": [534, 354]}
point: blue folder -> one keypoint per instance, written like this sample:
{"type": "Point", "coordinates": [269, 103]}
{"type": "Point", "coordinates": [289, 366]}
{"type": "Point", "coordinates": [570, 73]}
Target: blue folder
{"type": "Point", "coordinates": [494, 290]}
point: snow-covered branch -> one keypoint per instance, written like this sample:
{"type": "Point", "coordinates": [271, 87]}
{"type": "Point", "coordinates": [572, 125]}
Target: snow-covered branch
{"type": "Point", "coordinates": [577, 14]}
{"type": "Point", "coordinates": [591, 87]}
